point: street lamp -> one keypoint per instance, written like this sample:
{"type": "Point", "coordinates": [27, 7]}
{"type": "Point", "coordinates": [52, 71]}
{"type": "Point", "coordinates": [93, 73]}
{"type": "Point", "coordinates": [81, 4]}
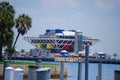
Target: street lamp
{"type": "Point", "coordinates": [86, 44]}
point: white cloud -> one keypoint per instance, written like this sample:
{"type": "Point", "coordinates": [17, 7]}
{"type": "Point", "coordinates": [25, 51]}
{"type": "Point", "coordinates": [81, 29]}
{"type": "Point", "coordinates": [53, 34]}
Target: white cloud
{"type": "Point", "coordinates": [54, 20]}
{"type": "Point", "coordinates": [105, 4]}
{"type": "Point", "coordinates": [5, 0]}
{"type": "Point", "coordinates": [118, 1]}
{"type": "Point", "coordinates": [55, 3]}
{"type": "Point", "coordinates": [21, 10]}
{"type": "Point", "coordinates": [61, 20]}
{"type": "Point", "coordinates": [78, 17]}
{"type": "Point", "coordinates": [72, 3]}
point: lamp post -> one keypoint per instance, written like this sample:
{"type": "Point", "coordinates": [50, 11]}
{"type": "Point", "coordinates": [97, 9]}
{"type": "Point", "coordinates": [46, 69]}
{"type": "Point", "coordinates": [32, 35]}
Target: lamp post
{"type": "Point", "coordinates": [86, 61]}
{"type": "Point", "coordinates": [100, 70]}
{"type": "Point", "coordinates": [87, 44]}
{"type": "Point", "coordinates": [79, 70]}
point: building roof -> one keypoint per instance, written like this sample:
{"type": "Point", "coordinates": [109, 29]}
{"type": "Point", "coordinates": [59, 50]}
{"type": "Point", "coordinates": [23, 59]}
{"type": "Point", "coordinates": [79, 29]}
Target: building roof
{"type": "Point", "coordinates": [68, 33]}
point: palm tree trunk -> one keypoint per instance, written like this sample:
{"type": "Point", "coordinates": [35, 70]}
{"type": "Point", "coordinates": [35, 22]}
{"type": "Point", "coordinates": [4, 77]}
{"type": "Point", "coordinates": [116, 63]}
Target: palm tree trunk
{"type": "Point", "coordinates": [1, 49]}
{"type": "Point", "coordinates": [16, 40]}
{"type": "Point", "coordinates": [1, 46]}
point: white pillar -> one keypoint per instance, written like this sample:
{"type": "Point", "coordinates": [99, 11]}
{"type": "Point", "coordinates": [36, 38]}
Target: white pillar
{"type": "Point", "coordinates": [32, 73]}
{"type": "Point", "coordinates": [9, 73]}
{"type": "Point", "coordinates": [18, 74]}
{"type": "Point", "coordinates": [43, 73]}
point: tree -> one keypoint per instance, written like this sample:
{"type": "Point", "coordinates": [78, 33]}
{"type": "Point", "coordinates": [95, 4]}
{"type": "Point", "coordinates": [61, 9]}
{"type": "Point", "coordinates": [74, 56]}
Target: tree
{"type": "Point", "coordinates": [22, 51]}
{"type": "Point", "coordinates": [10, 50]}
{"type": "Point", "coordinates": [6, 23]}
{"type": "Point", "coordinates": [23, 24]}
{"type": "Point", "coordinates": [115, 55]}
{"type": "Point", "coordinates": [8, 40]}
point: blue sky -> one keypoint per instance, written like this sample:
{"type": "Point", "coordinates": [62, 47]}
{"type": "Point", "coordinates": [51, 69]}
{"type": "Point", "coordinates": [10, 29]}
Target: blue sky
{"type": "Point", "coordinates": [95, 18]}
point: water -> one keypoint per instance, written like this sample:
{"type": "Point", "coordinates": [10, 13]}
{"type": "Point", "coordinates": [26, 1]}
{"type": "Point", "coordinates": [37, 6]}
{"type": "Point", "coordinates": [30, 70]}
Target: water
{"type": "Point", "coordinates": [107, 71]}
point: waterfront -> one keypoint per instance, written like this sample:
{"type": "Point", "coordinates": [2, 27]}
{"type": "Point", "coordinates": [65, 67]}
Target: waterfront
{"type": "Point", "coordinates": [72, 70]}
{"type": "Point", "coordinates": [107, 70]}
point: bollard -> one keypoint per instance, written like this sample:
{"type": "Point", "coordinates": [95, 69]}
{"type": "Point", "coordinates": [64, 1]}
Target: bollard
{"type": "Point", "coordinates": [18, 74]}
{"type": "Point", "coordinates": [117, 75]}
{"type": "Point", "coordinates": [38, 63]}
{"type": "Point", "coordinates": [62, 71]}
{"type": "Point", "coordinates": [97, 78]}
{"type": "Point", "coordinates": [43, 73]}
{"type": "Point", "coordinates": [6, 64]}
{"type": "Point", "coordinates": [9, 73]}
{"type": "Point", "coordinates": [32, 73]}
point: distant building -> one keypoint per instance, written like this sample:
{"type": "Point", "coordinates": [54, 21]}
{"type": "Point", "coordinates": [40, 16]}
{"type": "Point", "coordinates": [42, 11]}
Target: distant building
{"type": "Point", "coordinates": [56, 40]}
{"type": "Point", "coordinates": [101, 55]}
{"type": "Point", "coordinates": [34, 52]}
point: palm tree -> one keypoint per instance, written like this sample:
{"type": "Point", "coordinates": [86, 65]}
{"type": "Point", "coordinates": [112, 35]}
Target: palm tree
{"type": "Point", "coordinates": [8, 37]}
{"type": "Point", "coordinates": [6, 23]}
{"type": "Point", "coordinates": [115, 55]}
{"type": "Point", "coordinates": [10, 50]}
{"type": "Point", "coordinates": [23, 24]}
{"type": "Point", "coordinates": [22, 51]}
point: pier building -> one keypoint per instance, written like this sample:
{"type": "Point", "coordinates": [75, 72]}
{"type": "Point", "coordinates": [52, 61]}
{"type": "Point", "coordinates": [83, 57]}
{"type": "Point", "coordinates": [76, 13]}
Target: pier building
{"type": "Point", "coordinates": [56, 40]}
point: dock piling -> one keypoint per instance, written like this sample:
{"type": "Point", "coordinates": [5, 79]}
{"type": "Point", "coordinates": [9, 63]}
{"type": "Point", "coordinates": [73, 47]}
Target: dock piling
{"type": "Point", "coordinates": [100, 70]}
{"type": "Point", "coordinates": [38, 63]}
{"type": "Point", "coordinates": [62, 71]}
{"type": "Point", "coordinates": [6, 64]}
{"type": "Point", "coordinates": [32, 72]}
{"type": "Point", "coordinates": [79, 70]}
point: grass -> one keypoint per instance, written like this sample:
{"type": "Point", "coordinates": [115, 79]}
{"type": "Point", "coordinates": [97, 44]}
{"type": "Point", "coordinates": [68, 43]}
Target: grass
{"type": "Point", "coordinates": [46, 64]}
{"type": "Point", "coordinates": [22, 63]}
{"type": "Point", "coordinates": [30, 63]}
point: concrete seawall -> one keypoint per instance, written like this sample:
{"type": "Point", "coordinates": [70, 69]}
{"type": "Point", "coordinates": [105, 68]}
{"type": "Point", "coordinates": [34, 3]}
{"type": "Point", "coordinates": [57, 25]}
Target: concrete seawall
{"type": "Point", "coordinates": [55, 70]}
